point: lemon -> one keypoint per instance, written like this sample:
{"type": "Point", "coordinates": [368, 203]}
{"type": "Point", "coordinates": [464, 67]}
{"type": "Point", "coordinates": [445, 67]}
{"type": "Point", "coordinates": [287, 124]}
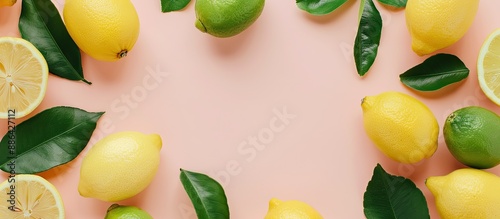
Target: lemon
{"type": "Point", "coordinates": [436, 24]}
{"type": "Point", "coordinates": [4, 3]}
{"type": "Point", "coordinates": [23, 77]}
{"type": "Point", "coordinates": [467, 194]}
{"type": "Point", "coordinates": [402, 127]}
{"type": "Point", "coordinates": [471, 134]}
{"type": "Point", "coordinates": [104, 29]}
{"type": "Point", "coordinates": [226, 18]}
{"type": "Point", "coordinates": [31, 196]}
{"type": "Point", "coordinates": [120, 166]}
{"type": "Point", "coordinates": [291, 209]}
{"type": "Point", "coordinates": [116, 211]}
{"type": "Point", "coordinates": [488, 72]}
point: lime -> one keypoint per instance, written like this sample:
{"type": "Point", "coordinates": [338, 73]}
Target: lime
{"type": "Point", "coordinates": [226, 18]}
{"type": "Point", "coordinates": [116, 211]}
{"type": "Point", "coordinates": [471, 134]}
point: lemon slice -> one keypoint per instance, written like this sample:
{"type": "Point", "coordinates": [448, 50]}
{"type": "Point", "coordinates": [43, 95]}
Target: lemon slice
{"type": "Point", "coordinates": [23, 77]}
{"type": "Point", "coordinates": [488, 67]}
{"type": "Point", "coordinates": [34, 197]}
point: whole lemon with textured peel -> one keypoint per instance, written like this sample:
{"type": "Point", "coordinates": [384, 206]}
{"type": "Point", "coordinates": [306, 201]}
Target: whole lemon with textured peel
{"type": "Point", "coordinates": [436, 24]}
{"type": "Point", "coordinates": [120, 166]}
{"type": "Point", "coordinates": [467, 194]}
{"type": "Point", "coordinates": [106, 30]}
{"type": "Point", "coordinates": [23, 77]}
{"type": "Point", "coordinates": [226, 18]}
{"type": "Point", "coordinates": [402, 127]}
{"type": "Point", "coordinates": [116, 211]}
{"type": "Point", "coordinates": [291, 209]}
{"type": "Point", "coordinates": [4, 3]}
{"type": "Point", "coordinates": [30, 196]}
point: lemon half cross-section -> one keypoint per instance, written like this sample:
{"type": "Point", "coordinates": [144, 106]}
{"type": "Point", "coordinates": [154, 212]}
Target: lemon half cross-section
{"type": "Point", "coordinates": [23, 77]}
{"type": "Point", "coordinates": [488, 67]}
{"type": "Point", "coordinates": [34, 197]}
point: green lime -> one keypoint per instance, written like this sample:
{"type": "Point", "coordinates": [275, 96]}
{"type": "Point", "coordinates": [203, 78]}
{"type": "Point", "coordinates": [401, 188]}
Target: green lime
{"type": "Point", "coordinates": [116, 211]}
{"type": "Point", "coordinates": [472, 135]}
{"type": "Point", "coordinates": [226, 18]}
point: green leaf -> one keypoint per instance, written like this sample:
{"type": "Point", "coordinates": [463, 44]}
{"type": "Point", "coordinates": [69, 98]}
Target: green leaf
{"type": "Point", "coordinates": [435, 72]}
{"type": "Point", "coordinates": [207, 195]}
{"type": "Point", "coordinates": [368, 36]}
{"type": "Point", "coordinates": [394, 3]}
{"type": "Point", "coordinates": [319, 7]}
{"type": "Point", "coordinates": [41, 24]}
{"type": "Point", "coordinates": [393, 197]}
{"type": "Point", "coordinates": [173, 5]}
{"type": "Point", "coordinates": [48, 139]}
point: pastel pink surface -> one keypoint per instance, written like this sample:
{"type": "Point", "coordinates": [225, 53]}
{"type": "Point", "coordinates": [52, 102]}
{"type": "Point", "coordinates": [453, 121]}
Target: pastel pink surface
{"type": "Point", "coordinates": [207, 96]}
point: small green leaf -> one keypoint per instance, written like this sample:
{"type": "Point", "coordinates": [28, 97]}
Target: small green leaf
{"type": "Point", "coordinates": [435, 72]}
{"type": "Point", "coordinates": [319, 7]}
{"type": "Point", "coordinates": [368, 36]}
{"type": "Point", "coordinates": [173, 5]}
{"type": "Point", "coordinates": [394, 3]}
{"type": "Point", "coordinates": [41, 24]}
{"type": "Point", "coordinates": [207, 195]}
{"type": "Point", "coordinates": [393, 197]}
{"type": "Point", "coordinates": [48, 139]}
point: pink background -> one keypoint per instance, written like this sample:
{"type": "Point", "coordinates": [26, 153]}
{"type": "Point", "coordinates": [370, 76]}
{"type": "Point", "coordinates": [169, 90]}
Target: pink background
{"type": "Point", "coordinates": [210, 95]}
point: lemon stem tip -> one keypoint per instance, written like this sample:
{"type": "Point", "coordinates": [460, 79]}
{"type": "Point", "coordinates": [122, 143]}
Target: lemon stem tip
{"type": "Point", "coordinates": [122, 54]}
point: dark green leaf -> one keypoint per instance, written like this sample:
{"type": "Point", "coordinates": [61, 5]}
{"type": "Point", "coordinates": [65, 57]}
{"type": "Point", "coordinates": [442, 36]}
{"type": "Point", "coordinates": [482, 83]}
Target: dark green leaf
{"type": "Point", "coordinates": [393, 197]}
{"type": "Point", "coordinates": [368, 36]}
{"type": "Point", "coordinates": [173, 5]}
{"type": "Point", "coordinates": [435, 72]}
{"type": "Point", "coordinates": [394, 3]}
{"type": "Point", "coordinates": [319, 7]}
{"type": "Point", "coordinates": [41, 24]}
{"type": "Point", "coordinates": [207, 195]}
{"type": "Point", "coordinates": [48, 139]}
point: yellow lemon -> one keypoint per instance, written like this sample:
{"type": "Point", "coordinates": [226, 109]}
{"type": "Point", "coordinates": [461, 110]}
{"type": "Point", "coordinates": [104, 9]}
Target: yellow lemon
{"type": "Point", "coordinates": [4, 3]}
{"type": "Point", "coordinates": [104, 29]}
{"type": "Point", "coordinates": [31, 196]}
{"type": "Point", "coordinates": [291, 209]}
{"type": "Point", "coordinates": [120, 166]}
{"type": "Point", "coordinates": [402, 127]}
{"type": "Point", "coordinates": [23, 77]}
{"type": "Point", "coordinates": [436, 24]}
{"type": "Point", "coordinates": [487, 67]}
{"type": "Point", "coordinates": [467, 194]}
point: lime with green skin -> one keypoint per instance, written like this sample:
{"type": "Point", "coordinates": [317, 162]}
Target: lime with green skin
{"type": "Point", "coordinates": [116, 211]}
{"type": "Point", "coordinates": [226, 18]}
{"type": "Point", "coordinates": [472, 135]}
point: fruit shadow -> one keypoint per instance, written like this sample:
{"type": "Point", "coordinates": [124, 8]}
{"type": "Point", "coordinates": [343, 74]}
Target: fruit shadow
{"type": "Point", "coordinates": [9, 13]}
{"type": "Point", "coordinates": [103, 71]}
{"type": "Point", "coordinates": [62, 170]}
{"type": "Point", "coordinates": [327, 18]}
{"type": "Point", "coordinates": [230, 45]}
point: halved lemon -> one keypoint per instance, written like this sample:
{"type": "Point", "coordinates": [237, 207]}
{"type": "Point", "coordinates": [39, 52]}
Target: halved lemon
{"type": "Point", "coordinates": [34, 197]}
{"type": "Point", "coordinates": [488, 67]}
{"type": "Point", "coordinates": [23, 77]}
